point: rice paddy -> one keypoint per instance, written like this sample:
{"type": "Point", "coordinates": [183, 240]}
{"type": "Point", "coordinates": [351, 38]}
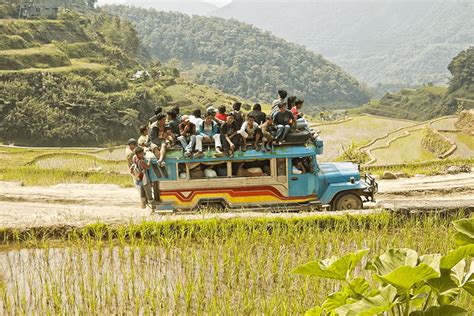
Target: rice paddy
{"type": "Point", "coordinates": [238, 266]}
{"type": "Point", "coordinates": [360, 129]}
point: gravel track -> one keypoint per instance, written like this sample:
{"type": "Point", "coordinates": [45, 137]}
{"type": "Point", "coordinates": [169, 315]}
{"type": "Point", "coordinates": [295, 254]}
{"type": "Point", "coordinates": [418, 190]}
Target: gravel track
{"type": "Point", "coordinates": [81, 204]}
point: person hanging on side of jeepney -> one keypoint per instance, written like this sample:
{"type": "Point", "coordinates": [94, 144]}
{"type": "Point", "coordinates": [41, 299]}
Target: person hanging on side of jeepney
{"type": "Point", "coordinates": [161, 138]}
{"type": "Point", "coordinates": [209, 132]}
{"type": "Point", "coordinates": [221, 116]}
{"type": "Point", "coordinates": [173, 122]}
{"type": "Point", "coordinates": [187, 137]}
{"type": "Point", "coordinates": [283, 120]}
{"type": "Point", "coordinates": [139, 173]}
{"type": "Point", "coordinates": [269, 131]}
{"type": "Point", "coordinates": [129, 150]}
{"type": "Point", "coordinates": [282, 94]}
{"type": "Point", "coordinates": [239, 116]}
{"type": "Point", "coordinates": [153, 119]}
{"type": "Point", "coordinates": [143, 140]}
{"type": "Point", "coordinates": [230, 137]}
{"type": "Point", "coordinates": [260, 117]}
{"type": "Point", "coordinates": [250, 131]}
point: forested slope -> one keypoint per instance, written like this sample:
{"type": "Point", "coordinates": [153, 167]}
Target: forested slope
{"type": "Point", "coordinates": [431, 101]}
{"type": "Point", "coordinates": [381, 41]}
{"type": "Point", "coordinates": [69, 81]}
{"type": "Point", "coordinates": [241, 59]}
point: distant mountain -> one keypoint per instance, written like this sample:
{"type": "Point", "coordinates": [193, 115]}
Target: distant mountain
{"type": "Point", "coordinates": [389, 42]}
{"type": "Point", "coordinates": [241, 59]}
{"type": "Point", "coordinates": [183, 6]}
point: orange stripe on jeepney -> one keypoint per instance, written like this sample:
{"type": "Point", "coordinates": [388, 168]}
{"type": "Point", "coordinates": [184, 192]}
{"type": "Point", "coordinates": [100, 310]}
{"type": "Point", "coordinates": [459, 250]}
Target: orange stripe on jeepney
{"type": "Point", "coordinates": [239, 195]}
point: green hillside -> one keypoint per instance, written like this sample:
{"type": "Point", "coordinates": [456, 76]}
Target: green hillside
{"type": "Point", "coordinates": [241, 59]}
{"type": "Point", "coordinates": [69, 81]}
{"type": "Point", "coordinates": [379, 41]}
{"type": "Point", "coordinates": [430, 101]}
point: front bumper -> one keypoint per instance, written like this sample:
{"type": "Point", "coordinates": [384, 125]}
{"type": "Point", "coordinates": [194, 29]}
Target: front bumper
{"type": "Point", "coordinates": [372, 187]}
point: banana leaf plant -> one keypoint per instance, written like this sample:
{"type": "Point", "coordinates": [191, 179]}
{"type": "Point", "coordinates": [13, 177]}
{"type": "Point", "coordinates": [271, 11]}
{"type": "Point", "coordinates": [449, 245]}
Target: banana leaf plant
{"type": "Point", "coordinates": [404, 282]}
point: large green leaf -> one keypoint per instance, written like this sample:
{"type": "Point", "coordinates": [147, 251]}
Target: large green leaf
{"type": "Point", "coordinates": [453, 257]}
{"type": "Point", "coordinates": [465, 228]}
{"type": "Point", "coordinates": [445, 310]}
{"type": "Point", "coordinates": [393, 259]}
{"type": "Point", "coordinates": [356, 289]}
{"type": "Point", "coordinates": [405, 277]}
{"type": "Point", "coordinates": [468, 282]}
{"type": "Point", "coordinates": [332, 268]}
{"type": "Point", "coordinates": [379, 303]}
{"type": "Point", "coordinates": [402, 267]}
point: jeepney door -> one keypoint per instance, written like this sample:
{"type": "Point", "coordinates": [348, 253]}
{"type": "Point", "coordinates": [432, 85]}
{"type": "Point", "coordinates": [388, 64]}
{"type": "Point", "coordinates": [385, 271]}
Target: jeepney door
{"type": "Point", "coordinates": [304, 183]}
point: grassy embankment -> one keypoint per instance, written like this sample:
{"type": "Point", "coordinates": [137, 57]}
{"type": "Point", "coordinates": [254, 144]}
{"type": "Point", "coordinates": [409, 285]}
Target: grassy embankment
{"type": "Point", "coordinates": [198, 267]}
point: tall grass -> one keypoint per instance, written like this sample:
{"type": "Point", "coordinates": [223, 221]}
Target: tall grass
{"type": "Point", "coordinates": [238, 266]}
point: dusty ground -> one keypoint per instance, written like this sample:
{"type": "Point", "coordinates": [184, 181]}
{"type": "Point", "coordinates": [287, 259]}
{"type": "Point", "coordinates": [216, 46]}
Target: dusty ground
{"type": "Point", "coordinates": [79, 204]}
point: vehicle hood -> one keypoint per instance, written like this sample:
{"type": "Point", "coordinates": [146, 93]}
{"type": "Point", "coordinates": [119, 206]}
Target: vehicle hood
{"type": "Point", "coordinates": [335, 172]}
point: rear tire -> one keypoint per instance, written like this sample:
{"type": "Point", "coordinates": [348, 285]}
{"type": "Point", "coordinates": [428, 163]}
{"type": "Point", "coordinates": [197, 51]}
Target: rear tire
{"type": "Point", "coordinates": [347, 201]}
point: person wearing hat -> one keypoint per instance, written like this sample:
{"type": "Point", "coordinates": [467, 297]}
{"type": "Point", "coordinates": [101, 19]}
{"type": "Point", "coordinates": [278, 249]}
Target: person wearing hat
{"type": "Point", "coordinates": [187, 138]}
{"type": "Point", "coordinates": [153, 119]}
{"type": "Point", "coordinates": [129, 150]}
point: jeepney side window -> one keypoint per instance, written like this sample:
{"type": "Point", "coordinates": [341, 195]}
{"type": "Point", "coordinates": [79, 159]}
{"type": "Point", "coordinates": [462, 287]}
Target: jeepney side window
{"type": "Point", "coordinates": [251, 168]}
{"type": "Point", "coordinates": [207, 170]}
{"type": "Point", "coordinates": [281, 167]}
{"type": "Point", "coordinates": [182, 172]}
{"type": "Point", "coordinates": [302, 165]}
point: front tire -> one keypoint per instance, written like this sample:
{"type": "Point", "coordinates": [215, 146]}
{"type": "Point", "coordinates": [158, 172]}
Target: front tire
{"type": "Point", "coordinates": [347, 201]}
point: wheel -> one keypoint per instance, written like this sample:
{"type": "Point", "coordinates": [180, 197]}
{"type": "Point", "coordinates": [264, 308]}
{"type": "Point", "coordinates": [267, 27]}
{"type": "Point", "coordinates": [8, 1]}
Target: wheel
{"type": "Point", "coordinates": [347, 201]}
{"type": "Point", "coordinates": [212, 205]}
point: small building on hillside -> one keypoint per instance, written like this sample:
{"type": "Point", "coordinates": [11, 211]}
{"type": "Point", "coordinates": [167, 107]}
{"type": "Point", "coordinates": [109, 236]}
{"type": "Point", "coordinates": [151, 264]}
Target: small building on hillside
{"type": "Point", "coordinates": [32, 9]}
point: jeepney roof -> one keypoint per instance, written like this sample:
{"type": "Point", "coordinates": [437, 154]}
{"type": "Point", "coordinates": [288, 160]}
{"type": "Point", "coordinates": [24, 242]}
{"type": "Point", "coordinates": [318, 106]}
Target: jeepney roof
{"type": "Point", "coordinates": [289, 151]}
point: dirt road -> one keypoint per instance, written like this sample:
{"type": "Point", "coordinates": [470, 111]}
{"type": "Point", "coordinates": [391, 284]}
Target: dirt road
{"type": "Point", "coordinates": [80, 204]}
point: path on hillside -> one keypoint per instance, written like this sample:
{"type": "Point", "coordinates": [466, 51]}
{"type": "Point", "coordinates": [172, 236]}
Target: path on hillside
{"type": "Point", "coordinates": [80, 204]}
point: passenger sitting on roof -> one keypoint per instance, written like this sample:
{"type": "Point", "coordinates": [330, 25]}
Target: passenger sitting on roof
{"type": "Point", "coordinates": [250, 131]}
{"type": "Point", "coordinates": [221, 117]}
{"type": "Point", "coordinates": [260, 117]}
{"type": "Point", "coordinates": [290, 101]}
{"type": "Point", "coordinates": [187, 137]}
{"type": "Point", "coordinates": [229, 137]}
{"type": "Point", "coordinates": [152, 119]}
{"type": "Point", "coordinates": [196, 117]}
{"type": "Point", "coordinates": [283, 120]}
{"type": "Point", "coordinates": [269, 131]}
{"type": "Point", "coordinates": [143, 140]}
{"type": "Point", "coordinates": [239, 116]}
{"type": "Point", "coordinates": [177, 110]}
{"type": "Point", "coordinates": [161, 138]}
{"type": "Point", "coordinates": [173, 122]}
{"type": "Point", "coordinates": [208, 132]}
{"type": "Point", "coordinates": [282, 99]}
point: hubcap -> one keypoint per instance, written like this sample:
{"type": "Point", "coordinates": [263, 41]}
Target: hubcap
{"type": "Point", "coordinates": [348, 203]}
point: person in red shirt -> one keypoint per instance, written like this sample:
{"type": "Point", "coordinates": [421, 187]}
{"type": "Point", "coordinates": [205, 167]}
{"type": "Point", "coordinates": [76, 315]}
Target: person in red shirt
{"type": "Point", "coordinates": [221, 116]}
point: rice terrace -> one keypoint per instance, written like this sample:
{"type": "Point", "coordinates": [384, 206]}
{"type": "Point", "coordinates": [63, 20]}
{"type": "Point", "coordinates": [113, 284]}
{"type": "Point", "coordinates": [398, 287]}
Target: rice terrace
{"type": "Point", "coordinates": [207, 158]}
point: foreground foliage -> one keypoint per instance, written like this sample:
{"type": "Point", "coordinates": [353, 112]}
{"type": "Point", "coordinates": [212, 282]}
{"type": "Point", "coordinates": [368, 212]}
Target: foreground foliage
{"type": "Point", "coordinates": [407, 284]}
